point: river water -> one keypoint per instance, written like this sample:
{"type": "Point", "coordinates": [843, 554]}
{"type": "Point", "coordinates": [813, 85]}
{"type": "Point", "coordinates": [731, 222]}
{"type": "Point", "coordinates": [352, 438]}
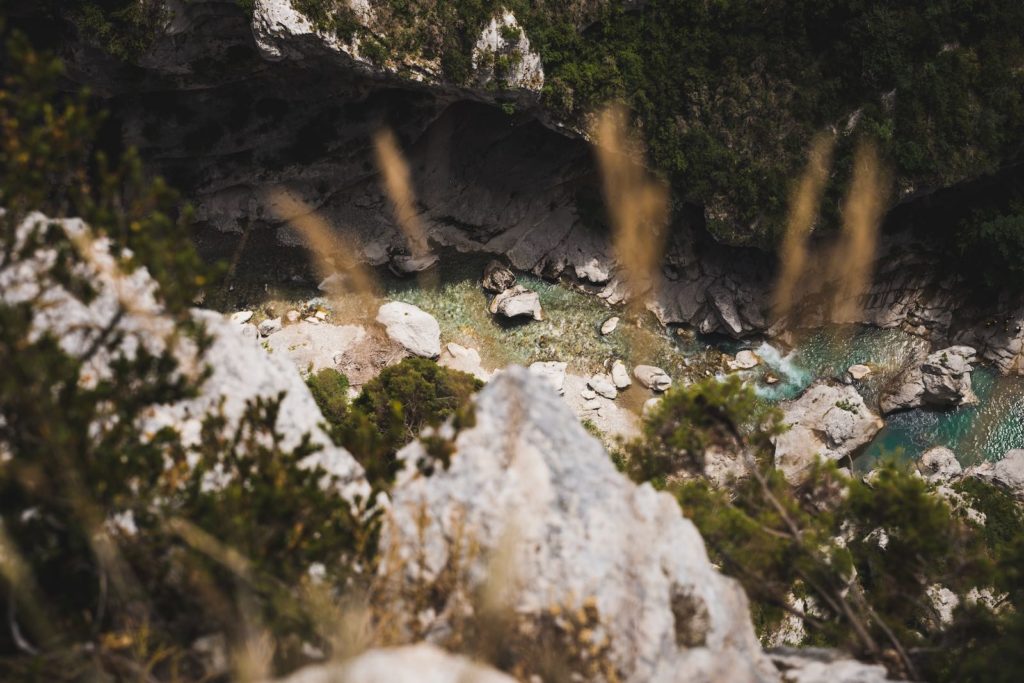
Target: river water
{"type": "Point", "coordinates": [570, 333]}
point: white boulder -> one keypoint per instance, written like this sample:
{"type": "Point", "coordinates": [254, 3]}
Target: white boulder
{"type": "Point", "coordinates": [517, 302]}
{"type": "Point", "coordinates": [620, 375]}
{"type": "Point", "coordinates": [313, 345]}
{"type": "Point", "coordinates": [603, 385]}
{"type": "Point", "coordinates": [653, 378]}
{"type": "Point", "coordinates": [412, 327]}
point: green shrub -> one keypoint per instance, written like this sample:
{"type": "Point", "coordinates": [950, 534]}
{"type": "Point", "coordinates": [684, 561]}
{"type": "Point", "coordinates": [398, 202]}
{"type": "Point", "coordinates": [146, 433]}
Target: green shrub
{"type": "Point", "coordinates": [330, 391]}
{"type": "Point", "coordinates": [392, 410]}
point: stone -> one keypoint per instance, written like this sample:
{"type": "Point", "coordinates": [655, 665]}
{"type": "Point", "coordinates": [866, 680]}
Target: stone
{"type": "Point", "coordinates": [1007, 473]}
{"type": "Point", "coordinates": [588, 394]}
{"type": "Point", "coordinates": [336, 283]}
{"type": "Point", "coordinates": [745, 360]}
{"type": "Point", "coordinates": [603, 385]}
{"type": "Point", "coordinates": [241, 317]}
{"type": "Point", "coordinates": [829, 421]}
{"type": "Point", "coordinates": [464, 359]}
{"type": "Point", "coordinates": [269, 326]}
{"type": "Point", "coordinates": [552, 372]}
{"type": "Point", "coordinates": [858, 372]}
{"type": "Point", "coordinates": [528, 484]}
{"type": "Point", "coordinates": [771, 379]}
{"type": "Point", "coordinates": [818, 665]}
{"type": "Point", "coordinates": [620, 375]}
{"type": "Point", "coordinates": [517, 302]}
{"type": "Point", "coordinates": [313, 346]}
{"type": "Point", "coordinates": [653, 378]}
{"type": "Point", "coordinates": [249, 331]}
{"type": "Point", "coordinates": [293, 316]}
{"type": "Point", "coordinates": [422, 663]}
{"type": "Point", "coordinates": [412, 327]}
{"type": "Point", "coordinates": [650, 405]}
{"type": "Point", "coordinates": [943, 380]}
{"type": "Point", "coordinates": [939, 465]}
{"type": "Point", "coordinates": [609, 325]}
{"type": "Point", "coordinates": [498, 277]}
{"type": "Point", "coordinates": [404, 265]}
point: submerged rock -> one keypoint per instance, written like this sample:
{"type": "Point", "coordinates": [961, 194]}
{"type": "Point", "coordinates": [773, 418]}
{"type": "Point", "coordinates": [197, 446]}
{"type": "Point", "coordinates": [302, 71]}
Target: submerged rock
{"type": "Point", "coordinates": [498, 277]}
{"type": "Point", "coordinates": [943, 380]}
{"type": "Point", "coordinates": [827, 421]}
{"type": "Point", "coordinates": [858, 372]}
{"type": "Point", "coordinates": [517, 302]}
{"type": "Point", "coordinates": [412, 327]}
{"type": "Point", "coordinates": [653, 378]}
{"type": "Point", "coordinates": [528, 485]}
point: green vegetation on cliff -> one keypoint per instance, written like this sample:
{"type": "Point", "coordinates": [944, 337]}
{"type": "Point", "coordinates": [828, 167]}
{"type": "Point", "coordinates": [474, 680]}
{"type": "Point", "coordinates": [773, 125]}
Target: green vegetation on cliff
{"type": "Point", "coordinates": [840, 561]}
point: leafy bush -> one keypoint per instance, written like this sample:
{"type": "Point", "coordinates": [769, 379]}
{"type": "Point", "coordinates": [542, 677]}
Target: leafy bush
{"type": "Point", "coordinates": [392, 410]}
{"type": "Point", "coordinates": [330, 391]}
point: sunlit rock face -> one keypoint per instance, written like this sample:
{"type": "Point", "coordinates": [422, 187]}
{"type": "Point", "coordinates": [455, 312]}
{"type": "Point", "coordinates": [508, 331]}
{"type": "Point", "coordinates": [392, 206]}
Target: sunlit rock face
{"type": "Point", "coordinates": [503, 56]}
{"type": "Point", "coordinates": [527, 485]}
{"type": "Point", "coordinates": [127, 303]}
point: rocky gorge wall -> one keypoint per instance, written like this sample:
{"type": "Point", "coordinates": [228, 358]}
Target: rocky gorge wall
{"type": "Point", "coordinates": [233, 109]}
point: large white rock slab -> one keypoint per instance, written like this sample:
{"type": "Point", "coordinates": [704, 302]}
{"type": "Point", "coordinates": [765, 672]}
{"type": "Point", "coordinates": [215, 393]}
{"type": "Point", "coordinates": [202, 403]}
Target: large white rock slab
{"type": "Point", "coordinates": [313, 346]}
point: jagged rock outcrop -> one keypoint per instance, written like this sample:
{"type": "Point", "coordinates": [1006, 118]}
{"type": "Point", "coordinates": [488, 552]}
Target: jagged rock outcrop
{"type": "Point", "coordinates": [828, 421]}
{"type": "Point", "coordinates": [241, 370]}
{"type": "Point", "coordinates": [943, 380]}
{"type": "Point", "coordinates": [1007, 472]}
{"type": "Point", "coordinates": [528, 484]}
{"type": "Point", "coordinates": [421, 663]}
{"type": "Point", "coordinates": [502, 56]}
